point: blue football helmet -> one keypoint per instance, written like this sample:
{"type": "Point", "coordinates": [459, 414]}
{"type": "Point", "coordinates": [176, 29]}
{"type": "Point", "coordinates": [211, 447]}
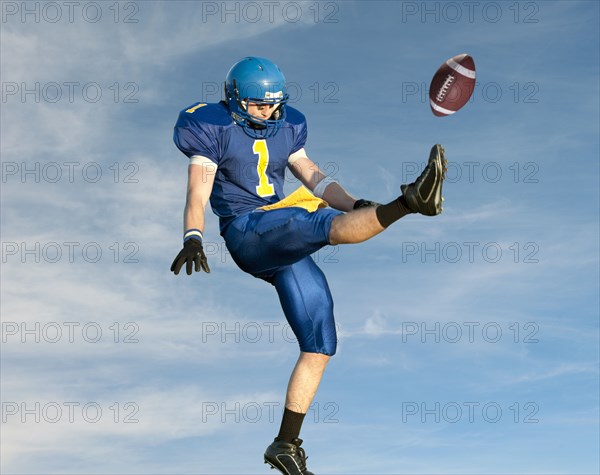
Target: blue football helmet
{"type": "Point", "coordinates": [258, 80]}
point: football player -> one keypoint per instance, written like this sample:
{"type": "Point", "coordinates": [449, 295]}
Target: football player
{"type": "Point", "coordinates": [239, 150]}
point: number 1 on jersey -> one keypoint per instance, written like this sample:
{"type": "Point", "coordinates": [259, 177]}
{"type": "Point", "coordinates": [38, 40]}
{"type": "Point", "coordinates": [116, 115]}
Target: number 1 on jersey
{"type": "Point", "coordinates": [264, 188]}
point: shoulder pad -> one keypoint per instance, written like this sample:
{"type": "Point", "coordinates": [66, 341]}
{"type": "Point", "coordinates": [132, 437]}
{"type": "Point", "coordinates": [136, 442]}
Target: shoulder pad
{"type": "Point", "coordinates": [214, 114]}
{"type": "Point", "coordinates": [294, 116]}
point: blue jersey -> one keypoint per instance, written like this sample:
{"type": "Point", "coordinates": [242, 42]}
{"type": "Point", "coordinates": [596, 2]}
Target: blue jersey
{"type": "Point", "coordinates": [250, 172]}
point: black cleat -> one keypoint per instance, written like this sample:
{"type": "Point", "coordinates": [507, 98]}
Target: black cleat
{"type": "Point", "coordinates": [288, 458]}
{"type": "Point", "coordinates": [425, 194]}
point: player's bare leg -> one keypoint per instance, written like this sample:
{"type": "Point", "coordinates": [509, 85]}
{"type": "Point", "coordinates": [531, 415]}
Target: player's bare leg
{"type": "Point", "coordinates": [285, 452]}
{"type": "Point", "coordinates": [424, 196]}
{"type": "Point", "coordinates": [304, 381]}
{"type": "Point", "coordinates": [355, 226]}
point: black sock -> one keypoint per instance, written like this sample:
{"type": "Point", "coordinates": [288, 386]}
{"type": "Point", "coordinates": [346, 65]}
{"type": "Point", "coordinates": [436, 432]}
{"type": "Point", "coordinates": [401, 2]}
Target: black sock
{"type": "Point", "coordinates": [391, 212]}
{"type": "Point", "coordinates": [290, 425]}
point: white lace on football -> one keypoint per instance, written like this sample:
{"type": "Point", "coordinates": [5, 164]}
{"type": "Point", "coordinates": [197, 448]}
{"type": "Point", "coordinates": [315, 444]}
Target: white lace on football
{"type": "Point", "coordinates": [444, 89]}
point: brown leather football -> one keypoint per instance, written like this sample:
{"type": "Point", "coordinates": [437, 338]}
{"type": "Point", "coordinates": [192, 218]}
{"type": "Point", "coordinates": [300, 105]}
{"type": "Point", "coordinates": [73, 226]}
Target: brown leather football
{"type": "Point", "coordinates": [452, 85]}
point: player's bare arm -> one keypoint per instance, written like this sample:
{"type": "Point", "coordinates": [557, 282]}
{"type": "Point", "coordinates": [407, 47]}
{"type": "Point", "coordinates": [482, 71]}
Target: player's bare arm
{"type": "Point", "coordinates": [200, 183]}
{"type": "Point", "coordinates": [201, 178]}
{"type": "Point", "coordinates": [310, 176]}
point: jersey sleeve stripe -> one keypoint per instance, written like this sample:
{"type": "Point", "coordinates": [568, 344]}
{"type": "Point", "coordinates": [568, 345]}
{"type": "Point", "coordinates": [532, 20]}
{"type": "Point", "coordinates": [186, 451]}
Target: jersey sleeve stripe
{"type": "Point", "coordinates": [296, 155]}
{"type": "Point", "coordinates": [201, 160]}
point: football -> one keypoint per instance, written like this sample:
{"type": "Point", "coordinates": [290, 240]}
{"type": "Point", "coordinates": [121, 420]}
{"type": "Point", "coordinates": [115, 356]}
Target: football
{"type": "Point", "coordinates": [452, 85]}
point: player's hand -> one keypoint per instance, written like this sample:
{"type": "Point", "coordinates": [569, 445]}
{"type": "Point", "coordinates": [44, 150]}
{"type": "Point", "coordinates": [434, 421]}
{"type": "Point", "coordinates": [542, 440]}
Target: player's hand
{"type": "Point", "coordinates": [192, 253]}
{"type": "Point", "coordinates": [365, 204]}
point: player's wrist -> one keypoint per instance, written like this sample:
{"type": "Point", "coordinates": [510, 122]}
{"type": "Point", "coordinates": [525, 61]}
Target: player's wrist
{"type": "Point", "coordinates": [319, 190]}
{"type": "Point", "coordinates": [192, 233]}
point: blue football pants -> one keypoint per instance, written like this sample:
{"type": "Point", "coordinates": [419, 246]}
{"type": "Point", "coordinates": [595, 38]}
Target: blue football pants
{"type": "Point", "coordinates": [276, 246]}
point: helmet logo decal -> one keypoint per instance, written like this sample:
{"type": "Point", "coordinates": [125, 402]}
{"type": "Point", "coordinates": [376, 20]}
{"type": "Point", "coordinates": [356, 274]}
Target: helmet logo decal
{"type": "Point", "coordinates": [274, 95]}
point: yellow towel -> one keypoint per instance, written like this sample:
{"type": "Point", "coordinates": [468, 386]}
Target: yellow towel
{"type": "Point", "coordinates": [302, 198]}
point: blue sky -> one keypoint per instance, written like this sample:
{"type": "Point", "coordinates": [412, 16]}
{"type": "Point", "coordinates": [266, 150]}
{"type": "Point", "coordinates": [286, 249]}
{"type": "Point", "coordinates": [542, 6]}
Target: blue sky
{"type": "Point", "coordinates": [468, 342]}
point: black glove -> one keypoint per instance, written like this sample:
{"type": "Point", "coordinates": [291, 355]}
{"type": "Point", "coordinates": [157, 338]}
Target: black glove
{"type": "Point", "coordinates": [365, 204]}
{"type": "Point", "coordinates": [192, 252]}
